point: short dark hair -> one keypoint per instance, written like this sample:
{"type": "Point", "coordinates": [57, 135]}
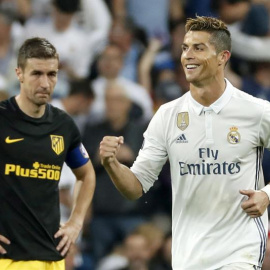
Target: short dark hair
{"type": "Point", "coordinates": [67, 6]}
{"type": "Point", "coordinates": [220, 35]}
{"type": "Point", "coordinates": [81, 87]}
{"type": "Point", "coordinates": [36, 47]}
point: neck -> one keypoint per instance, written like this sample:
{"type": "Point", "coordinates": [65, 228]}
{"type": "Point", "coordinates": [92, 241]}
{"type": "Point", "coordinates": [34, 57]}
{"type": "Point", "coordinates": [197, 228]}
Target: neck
{"type": "Point", "coordinates": [208, 94]}
{"type": "Point", "coordinates": [29, 108]}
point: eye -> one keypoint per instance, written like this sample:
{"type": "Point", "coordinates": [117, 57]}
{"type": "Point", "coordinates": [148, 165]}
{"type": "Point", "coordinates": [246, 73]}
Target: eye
{"type": "Point", "coordinates": [184, 48]}
{"type": "Point", "coordinates": [199, 48]}
{"type": "Point", "coordinates": [52, 74]}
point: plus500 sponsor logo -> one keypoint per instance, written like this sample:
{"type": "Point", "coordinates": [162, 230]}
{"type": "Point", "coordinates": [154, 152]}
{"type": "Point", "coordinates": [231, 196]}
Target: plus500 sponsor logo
{"type": "Point", "coordinates": [41, 171]}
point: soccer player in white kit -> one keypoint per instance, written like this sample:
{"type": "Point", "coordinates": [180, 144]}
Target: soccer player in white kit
{"type": "Point", "coordinates": [214, 137]}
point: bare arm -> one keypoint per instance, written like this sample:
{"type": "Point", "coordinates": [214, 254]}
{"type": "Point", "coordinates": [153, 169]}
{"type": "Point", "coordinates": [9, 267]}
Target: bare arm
{"type": "Point", "coordinates": [176, 10]}
{"type": "Point", "coordinates": [83, 194]}
{"type": "Point", "coordinates": [119, 8]}
{"type": "Point", "coordinates": [24, 8]}
{"type": "Point", "coordinates": [146, 63]}
{"type": "Point", "coordinates": [123, 178]}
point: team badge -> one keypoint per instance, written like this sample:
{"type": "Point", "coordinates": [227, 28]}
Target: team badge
{"type": "Point", "coordinates": [182, 120]}
{"type": "Point", "coordinates": [233, 136]}
{"type": "Point", "coordinates": [58, 145]}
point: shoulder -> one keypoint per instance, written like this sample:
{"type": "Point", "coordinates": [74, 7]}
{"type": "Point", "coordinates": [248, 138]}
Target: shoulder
{"type": "Point", "coordinates": [57, 114]}
{"type": "Point", "coordinates": [243, 99]}
{"type": "Point", "coordinates": [3, 105]}
{"type": "Point", "coordinates": [6, 107]}
{"type": "Point", "coordinates": [175, 104]}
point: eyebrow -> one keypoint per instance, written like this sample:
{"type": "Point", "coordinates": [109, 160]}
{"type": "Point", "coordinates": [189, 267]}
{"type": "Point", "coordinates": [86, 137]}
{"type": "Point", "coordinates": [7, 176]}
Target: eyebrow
{"type": "Point", "coordinates": [40, 71]}
{"type": "Point", "coordinates": [196, 44]}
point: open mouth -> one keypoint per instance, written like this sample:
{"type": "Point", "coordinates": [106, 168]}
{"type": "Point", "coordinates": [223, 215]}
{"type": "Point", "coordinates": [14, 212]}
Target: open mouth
{"type": "Point", "coordinates": [192, 66]}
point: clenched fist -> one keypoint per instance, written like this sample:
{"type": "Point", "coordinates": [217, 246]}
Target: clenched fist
{"type": "Point", "coordinates": [109, 147]}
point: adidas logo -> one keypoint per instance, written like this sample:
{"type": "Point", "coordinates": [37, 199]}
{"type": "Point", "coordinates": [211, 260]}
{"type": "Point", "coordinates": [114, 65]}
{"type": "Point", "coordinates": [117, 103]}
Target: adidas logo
{"type": "Point", "coordinates": [182, 139]}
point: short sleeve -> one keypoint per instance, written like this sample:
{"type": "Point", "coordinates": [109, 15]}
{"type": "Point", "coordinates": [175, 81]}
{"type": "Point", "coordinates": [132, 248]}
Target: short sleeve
{"type": "Point", "coordinates": [153, 153]}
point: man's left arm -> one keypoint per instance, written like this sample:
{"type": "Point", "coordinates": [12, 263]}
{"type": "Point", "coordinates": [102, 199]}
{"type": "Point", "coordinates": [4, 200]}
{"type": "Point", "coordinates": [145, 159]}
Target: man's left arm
{"type": "Point", "coordinates": [83, 194]}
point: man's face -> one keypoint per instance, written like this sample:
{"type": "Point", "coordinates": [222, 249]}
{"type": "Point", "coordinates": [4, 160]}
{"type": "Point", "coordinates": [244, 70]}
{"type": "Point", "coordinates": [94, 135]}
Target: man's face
{"type": "Point", "coordinates": [117, 103]}
{"type": "Point", "coordinates": [38, 79]}
{"type": "Point", "coordinates": [110, 62]}
{"type": "Point", "coordinates": [199, 58]}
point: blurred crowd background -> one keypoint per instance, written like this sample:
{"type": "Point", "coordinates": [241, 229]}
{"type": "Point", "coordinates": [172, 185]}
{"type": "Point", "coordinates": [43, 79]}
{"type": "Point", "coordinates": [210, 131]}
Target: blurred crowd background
{"type": "Point", "coordinates": [119, 61]}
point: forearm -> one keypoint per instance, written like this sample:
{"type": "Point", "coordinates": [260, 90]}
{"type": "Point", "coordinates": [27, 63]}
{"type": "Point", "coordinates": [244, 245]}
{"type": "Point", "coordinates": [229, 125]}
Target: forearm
{"type": "Point", "coordinates": [146, 64]}
{"type": "Point", "coordinates": [119, 8]}
{"type": "Point", "coordinates": [124, 180]}
{"type": "Point", "coordinates": [82, 196]}
{"type": "Point", "coordinates": [256, 48]}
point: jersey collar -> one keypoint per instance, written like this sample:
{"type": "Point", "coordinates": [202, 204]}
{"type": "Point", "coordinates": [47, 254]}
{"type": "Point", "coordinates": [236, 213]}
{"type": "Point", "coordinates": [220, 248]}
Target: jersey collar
{"type": "Point", "coordinates": [218, 105]}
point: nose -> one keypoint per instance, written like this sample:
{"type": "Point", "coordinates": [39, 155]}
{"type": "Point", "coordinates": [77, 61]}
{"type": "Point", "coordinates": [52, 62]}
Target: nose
{"type": "Point", "coordinates": [188, 53]}
{"type": "Point", "coordinates": [44, 82]}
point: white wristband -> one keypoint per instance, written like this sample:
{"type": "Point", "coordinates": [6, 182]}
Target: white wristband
{"type": "Point", "coordinates": [266, 189]}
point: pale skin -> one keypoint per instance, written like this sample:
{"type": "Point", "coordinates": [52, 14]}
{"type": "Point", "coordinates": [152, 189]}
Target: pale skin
{"type": "Point", "coordinates": [37, 82]}
{"type": "Point", "coordinates": [204, 70]}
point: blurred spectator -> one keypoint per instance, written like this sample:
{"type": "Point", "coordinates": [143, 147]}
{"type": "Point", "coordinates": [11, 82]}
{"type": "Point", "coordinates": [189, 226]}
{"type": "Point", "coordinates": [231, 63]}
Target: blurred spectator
{"type": "Point", "coordinates": [137, 250]}
{"type": "Point", "coordinates": [154, 236]}
{"type": "Point", "coordinates": [122, 34]}
{"type": "Point", "coordinates": [164, 261]}
{"type": "Point", "coordinates": [95, 18]}
{"type": "Point", "coordinates": [166, 86]}
{"type": "Point", "coordinates": [248, 22]}
{"type": "Point", "coordinates": [76, 46]}
{"type": "Point", "coordinates": [9, 30]}
{"type": "Point", "coordinates": [200, 8]}
{"type": "Point", "coordinates": [78, 101]}
{"type": "Point", "coordinates": [110, 63]}
{"type": "Point", "coordinates": [151, 15]}
{"type": "Point", "coordinates": [115, 260]}
{"type": "Point", "coordinates": [22, 8]}
{"type": "Point", "coordinates": [160, 68]}
{"type": "Point", "coordinates": [113, 215]}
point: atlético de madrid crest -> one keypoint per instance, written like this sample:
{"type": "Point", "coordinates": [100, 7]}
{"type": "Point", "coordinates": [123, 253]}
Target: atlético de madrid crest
{"type": "Point", "coordinates": [182, 120]}
{"type": "Point", "coordinates": [233, 136]}
{"type": "Point", "coordinates": [58, 145]}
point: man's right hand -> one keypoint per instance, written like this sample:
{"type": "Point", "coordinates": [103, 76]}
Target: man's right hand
{"type": "Point", "coordinates": [109, 148]}
{"type": "Point", "coordinates": [3, 239]}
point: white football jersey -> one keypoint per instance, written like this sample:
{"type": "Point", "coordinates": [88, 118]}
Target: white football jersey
{"type": "Point", "coordinates": [214, 152]}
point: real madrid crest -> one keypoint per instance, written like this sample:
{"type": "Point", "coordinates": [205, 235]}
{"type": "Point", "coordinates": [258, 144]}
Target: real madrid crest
{"type": "Point", "coordinates": [233, 136]}
{"type": "Point", "coordinates": [182, 120]}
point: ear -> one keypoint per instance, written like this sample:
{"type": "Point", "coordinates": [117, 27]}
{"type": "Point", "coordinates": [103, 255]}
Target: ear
{"type": "Point", "coordinates": [224, 57]}
{"type": "Point", "coordinates": [19, 74]}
